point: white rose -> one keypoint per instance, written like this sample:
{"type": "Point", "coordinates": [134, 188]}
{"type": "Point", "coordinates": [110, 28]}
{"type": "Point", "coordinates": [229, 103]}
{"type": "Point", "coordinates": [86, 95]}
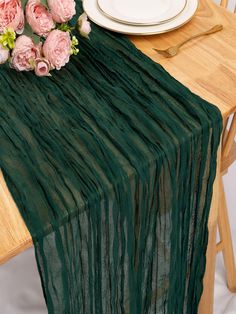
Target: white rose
{"type": "Point", "coordinates": [84, 25]}
{"type": "Point", "coordinates": [4, 54]}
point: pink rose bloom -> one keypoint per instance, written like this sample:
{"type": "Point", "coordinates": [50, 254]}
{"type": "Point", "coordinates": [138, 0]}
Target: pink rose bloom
{"type": "Point", "coordinates": [25, 53]}
{"type": "Point", "coordinates": [62, 10]}
{"type": "Point", "coordinates": [11, 15]}
{"type": "Point", "coordinates": [39, 18]}
{"type": "Point", "coordinates": [42, 67]}
{"type": "Point", "coordinates": [84, 25]}
{"type": "Point", "coordinates": [4, 54]}
{"type": "Point", "coordinates": [57, 48]}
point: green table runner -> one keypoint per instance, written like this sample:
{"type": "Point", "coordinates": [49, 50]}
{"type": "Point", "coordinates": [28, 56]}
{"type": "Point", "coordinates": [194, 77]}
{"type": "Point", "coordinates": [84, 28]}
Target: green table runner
{"type": "Point", "coordinates": [111, 162]}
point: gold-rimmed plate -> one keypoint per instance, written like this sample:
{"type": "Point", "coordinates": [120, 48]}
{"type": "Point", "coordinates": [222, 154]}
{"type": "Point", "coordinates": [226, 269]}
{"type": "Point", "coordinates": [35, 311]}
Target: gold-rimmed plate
{"type": "Point", "coordinates": [94, 13]}
{"type": "Point", "coordinates": [141, 12]}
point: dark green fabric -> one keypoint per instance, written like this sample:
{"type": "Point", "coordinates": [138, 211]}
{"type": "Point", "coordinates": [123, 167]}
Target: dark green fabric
{"type": "Point", "coordinates": [111, 162]}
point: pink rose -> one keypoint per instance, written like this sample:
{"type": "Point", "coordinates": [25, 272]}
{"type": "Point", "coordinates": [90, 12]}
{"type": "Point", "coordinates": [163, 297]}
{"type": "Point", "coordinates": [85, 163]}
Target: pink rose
{"type": "Point", "coordinates": [25, 53]}
{"type": "Point", "coordinates": [42, 67]}
{"type": "Point", "coordinates": [57, 48]}
{"type": "Point", "coordinates": [4, 54]}
{"type": "Point", "coordinates": [62, 10]}
{"type": "Point", "coordinates": [11, 15]}
{"type": "Point", "coordinates": [39, 18]}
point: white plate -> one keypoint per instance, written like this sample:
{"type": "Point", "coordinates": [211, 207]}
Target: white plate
{"type": "Point", "coordinates": [142, 12]}
{"type": "Point", "coordinates": [95, 15]}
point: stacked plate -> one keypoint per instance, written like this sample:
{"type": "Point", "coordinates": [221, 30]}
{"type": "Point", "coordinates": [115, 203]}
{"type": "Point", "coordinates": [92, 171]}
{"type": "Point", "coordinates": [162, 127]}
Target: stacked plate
{"type": "Point", "coordinates": [140, 17]}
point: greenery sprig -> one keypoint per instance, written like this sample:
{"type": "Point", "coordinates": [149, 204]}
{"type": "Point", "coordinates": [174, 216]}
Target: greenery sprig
{"type": "Point", "coordinates": [7, 39]}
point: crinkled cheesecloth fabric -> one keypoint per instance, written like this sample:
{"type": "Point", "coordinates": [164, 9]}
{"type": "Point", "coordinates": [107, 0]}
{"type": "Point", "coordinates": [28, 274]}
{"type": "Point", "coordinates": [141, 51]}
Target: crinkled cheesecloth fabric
{"type": "Point", "coordinates": [111, 163]}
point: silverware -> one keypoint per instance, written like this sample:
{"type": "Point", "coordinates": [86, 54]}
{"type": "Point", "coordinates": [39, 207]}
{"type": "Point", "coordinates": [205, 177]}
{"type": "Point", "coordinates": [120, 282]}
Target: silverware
{"type": "Point", "coordinates": [173, 51]}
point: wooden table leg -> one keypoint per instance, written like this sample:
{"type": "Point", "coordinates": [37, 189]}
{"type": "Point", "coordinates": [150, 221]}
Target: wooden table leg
{"type": "Point", "coordinates": [226, 241]}
{"type": "Point", "coordinates": [207, 299]}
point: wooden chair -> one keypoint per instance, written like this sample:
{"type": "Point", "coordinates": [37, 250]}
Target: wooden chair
{"type": "Point", "coordinates": [228, 157]}
{"type": "Point", "coordinates": [225, 3]}
{"type": "Point", "coordinates": [225, 245]}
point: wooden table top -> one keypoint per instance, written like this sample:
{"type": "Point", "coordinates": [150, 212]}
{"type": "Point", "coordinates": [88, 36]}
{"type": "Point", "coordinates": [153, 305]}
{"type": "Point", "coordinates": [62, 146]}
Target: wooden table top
{"type": "Point", "coordinates": [206, 65]}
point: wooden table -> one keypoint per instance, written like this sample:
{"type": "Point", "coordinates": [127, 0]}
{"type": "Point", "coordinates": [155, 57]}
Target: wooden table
{"type": "Point", "coordinates": [206, 65]}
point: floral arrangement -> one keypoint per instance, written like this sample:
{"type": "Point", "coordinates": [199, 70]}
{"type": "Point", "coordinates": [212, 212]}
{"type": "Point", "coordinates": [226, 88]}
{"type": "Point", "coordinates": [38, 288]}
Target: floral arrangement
{"type": "Point", "coordinates": [36, 35]}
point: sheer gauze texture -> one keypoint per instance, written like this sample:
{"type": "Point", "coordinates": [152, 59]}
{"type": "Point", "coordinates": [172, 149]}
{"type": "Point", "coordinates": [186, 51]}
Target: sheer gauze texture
{"type": "Point", "coordinates": [111, 162]}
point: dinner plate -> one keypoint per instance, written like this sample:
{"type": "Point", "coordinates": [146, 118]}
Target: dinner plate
{"type": "Point", "coordinates": [95, 15]}
{"type": "Point", "coordinates": [141, 12]}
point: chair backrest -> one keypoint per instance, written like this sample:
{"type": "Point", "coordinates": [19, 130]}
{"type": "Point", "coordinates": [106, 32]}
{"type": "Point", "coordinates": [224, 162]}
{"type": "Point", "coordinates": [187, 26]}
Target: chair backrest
{"type": "Point", "coordinates": [225, 4]}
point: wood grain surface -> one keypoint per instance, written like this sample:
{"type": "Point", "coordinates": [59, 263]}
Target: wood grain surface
{"type": "Point", "coordinates": [206, 65]}
{"type": "Point", "coordinates": [14, 235]}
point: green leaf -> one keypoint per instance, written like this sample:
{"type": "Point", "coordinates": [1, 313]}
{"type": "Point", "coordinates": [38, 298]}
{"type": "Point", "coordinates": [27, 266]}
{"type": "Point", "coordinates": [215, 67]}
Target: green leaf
{"type": "Point", "coordinates": [29, 32]}
{"type": "Point", "coordinates": [23, 3]}
{"type": "Point", "coordinates": [45, 3]}
{"type": "Point", "coordinates": [36, 39]}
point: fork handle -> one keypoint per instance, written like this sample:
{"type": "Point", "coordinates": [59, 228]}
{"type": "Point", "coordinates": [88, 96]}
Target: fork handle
{"type": "Point", "coordinates": [212, 30]}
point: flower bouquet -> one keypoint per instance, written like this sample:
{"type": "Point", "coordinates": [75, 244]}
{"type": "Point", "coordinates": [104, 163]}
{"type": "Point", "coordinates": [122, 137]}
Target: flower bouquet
{"type": "Point", "coordinates": [35, 35]}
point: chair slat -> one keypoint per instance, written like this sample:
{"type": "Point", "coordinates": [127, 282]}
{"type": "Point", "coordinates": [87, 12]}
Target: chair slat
{"type": "Point", "coordinates": [230, 138]}
{"type": "Point", "coordinates": [227, 161]}
{"type": "Point", "coordinates": [224, 3]}
{"type": "Point", "coordinates": [225, 131]}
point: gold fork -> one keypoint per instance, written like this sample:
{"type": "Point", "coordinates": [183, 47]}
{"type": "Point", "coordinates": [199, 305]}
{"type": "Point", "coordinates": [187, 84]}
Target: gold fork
{"type": "Point", "coordinates": [173, 51]}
